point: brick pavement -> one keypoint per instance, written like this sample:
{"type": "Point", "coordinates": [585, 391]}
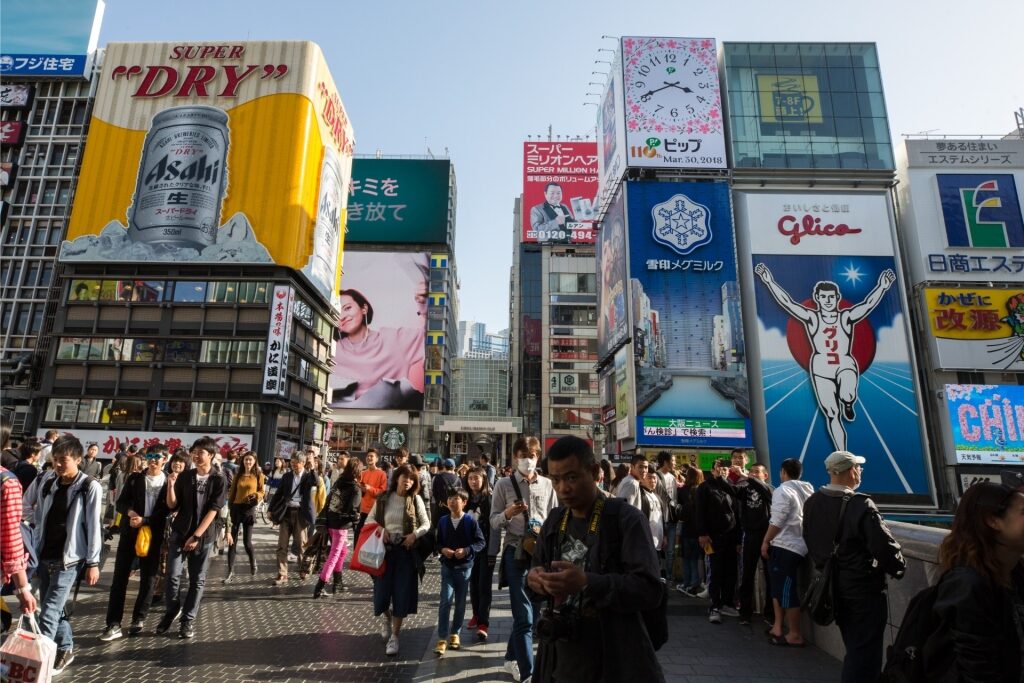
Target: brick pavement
{"type": "Point", "coordinates": [253, 631]}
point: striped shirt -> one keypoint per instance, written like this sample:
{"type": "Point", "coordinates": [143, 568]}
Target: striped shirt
{"type": "Point", "coordinates": [12, 548]}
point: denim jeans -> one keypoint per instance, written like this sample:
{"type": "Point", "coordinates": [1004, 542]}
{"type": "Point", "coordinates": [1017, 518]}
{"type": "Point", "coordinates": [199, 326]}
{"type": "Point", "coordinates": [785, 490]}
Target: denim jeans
{"type": "Point", "coordinates": [671, 531]}
{"type": "Point", "coordinates": [454, 584]}
{"type": "Point", "coordinates": [692, 555]}
{"type": "Point", "coordinates": [520, 642]}
{"type": "Point", "coordinates": [55, 586]}
{"type": "Point", "coordinates": [198, 561]}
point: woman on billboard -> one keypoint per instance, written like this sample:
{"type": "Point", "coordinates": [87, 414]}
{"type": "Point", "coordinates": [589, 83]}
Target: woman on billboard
{"type": "Point", "coordinates": [380, 368]}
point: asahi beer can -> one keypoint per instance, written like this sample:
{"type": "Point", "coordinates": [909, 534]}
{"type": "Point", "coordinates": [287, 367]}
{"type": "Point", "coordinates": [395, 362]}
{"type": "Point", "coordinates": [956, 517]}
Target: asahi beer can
{"type": "Point", "coordinates": [327, 232]}
{"type": "Point", "coordinates": [182, 178]}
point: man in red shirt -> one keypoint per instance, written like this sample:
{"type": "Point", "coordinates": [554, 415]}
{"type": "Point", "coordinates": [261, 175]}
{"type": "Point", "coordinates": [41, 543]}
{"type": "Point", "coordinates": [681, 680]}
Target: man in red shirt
{"type": "Point", "coordinates": [372, 482]}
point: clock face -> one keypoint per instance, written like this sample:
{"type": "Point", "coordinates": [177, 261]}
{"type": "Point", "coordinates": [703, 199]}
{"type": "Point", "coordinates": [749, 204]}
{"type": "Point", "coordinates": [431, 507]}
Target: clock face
{"type": "Point", "coordinates": [671, 86]}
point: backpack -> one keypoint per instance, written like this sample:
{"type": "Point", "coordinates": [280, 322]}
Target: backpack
{"type": "Point", "coordinates": [27, 537]}
{"type": "Point", "coordinates": [922, 640]}
{"type": "Point", "coordinates": [656, 619]}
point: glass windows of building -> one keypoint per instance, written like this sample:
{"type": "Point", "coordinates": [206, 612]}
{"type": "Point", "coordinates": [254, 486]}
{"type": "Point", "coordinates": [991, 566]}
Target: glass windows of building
{"type": "Point", "coordinates": [574, 315]}
{"type": "Point", "coordinates": [188, 292]}
{"type": "Point", "coordinates": [224, 414]}
{"type": "Point", "coordinates": [172, 413]}
{"type": "Point", "coordinates": [573, 349]}
{"type": "Point", "coordinates": [95, 411]}
{"type": "Point", "coordinates": [806, 105]}
{"type": "Point", "coordinates": [232, 352]}
{"type": "Point", "coordinates": [572, 283]}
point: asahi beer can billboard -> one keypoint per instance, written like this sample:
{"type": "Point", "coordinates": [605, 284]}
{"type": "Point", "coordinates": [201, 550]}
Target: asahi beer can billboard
{"type": "Point", "coordinates": [236, 153]}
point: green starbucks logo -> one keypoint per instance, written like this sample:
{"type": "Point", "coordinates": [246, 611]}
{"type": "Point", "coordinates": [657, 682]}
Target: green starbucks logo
{"type": "Point", "coordinates": [393, 438]}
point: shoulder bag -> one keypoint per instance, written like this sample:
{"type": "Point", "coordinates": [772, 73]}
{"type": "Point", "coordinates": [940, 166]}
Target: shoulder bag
{"type": "Point", "coordinates": [819, 600]}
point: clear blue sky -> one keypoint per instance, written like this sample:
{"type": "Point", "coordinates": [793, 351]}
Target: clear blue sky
{"type": "Point", "coordinates": [478, 77]}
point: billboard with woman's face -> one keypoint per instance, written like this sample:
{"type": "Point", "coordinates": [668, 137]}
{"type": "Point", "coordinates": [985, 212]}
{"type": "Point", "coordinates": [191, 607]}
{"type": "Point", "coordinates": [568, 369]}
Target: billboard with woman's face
{"type": "Point", "coordinates": [379, 358]}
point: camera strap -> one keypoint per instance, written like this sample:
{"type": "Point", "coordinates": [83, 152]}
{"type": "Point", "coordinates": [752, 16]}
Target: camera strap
{"type": "Point", "coordinates": [592, 528]}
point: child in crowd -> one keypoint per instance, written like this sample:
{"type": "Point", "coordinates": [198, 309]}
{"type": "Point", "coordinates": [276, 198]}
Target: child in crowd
{"type": "Point", "coordinates": [459, 538]}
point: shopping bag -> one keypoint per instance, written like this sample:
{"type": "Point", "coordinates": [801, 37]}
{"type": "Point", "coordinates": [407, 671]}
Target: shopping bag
{"type": "Point", "coordinates": [368, 555]}
{"type": "Point", "coordinates": [142, 540]}
{"type": "Point", "coordinates": [27, 654]}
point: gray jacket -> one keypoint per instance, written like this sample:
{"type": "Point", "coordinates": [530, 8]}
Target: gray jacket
{"type": "Point", "coordinates": [85, 535]}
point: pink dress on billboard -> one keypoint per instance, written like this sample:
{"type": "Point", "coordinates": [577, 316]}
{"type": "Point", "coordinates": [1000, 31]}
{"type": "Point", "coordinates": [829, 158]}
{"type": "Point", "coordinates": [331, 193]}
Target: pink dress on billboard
{"type": "Point", "coordinates": [384, 370]}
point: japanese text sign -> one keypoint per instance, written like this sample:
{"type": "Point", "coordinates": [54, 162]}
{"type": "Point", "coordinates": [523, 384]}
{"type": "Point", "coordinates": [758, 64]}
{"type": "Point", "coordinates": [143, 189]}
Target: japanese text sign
{"type": "Point", "coordinates": [399, 201]}
{"type": "Point", "coordinates": [559, 192]}
{"type": "Point", "coordinates": [977, 329]}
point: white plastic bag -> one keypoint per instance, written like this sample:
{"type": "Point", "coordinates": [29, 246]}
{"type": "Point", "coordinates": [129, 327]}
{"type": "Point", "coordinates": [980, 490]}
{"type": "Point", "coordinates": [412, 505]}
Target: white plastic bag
{"type": "Point", "coordinates": [27, 655]}
{"type": "Point", "coordinates": [371, 554]}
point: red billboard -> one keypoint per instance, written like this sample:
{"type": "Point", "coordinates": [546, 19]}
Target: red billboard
{"type": "Point", "coordinates": [11, 132]}
{"type": "Point", "coordinates": [559, 192]}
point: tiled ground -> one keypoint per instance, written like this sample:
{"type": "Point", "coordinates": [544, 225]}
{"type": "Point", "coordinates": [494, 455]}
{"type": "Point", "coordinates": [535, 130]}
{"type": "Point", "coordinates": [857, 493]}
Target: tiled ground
{"type": "Point", "coordinates": [253, 631]}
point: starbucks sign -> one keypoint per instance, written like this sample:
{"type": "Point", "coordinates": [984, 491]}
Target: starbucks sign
{"type": "Point", "coordinates": [393, 438]}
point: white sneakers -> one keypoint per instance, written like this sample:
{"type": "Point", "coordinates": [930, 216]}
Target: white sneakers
{"type": "Point", "coordinates": [512, 669]}
{"type": "Point", "coordinates": [714, 616]}
{"type": "Point", "coordinates": [729, 611]}
{"type": "Point", "coordinates": [392, 646]}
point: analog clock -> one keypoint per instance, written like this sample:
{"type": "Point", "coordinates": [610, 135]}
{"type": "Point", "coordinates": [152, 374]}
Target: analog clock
{"type": "Point", "coordinates": [671, 85]}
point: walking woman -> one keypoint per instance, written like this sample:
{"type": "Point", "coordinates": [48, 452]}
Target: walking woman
{"type": "Point", "coordinates": [483, 562]}
{"type": "Point", "coordinates": [981, 593]}
{"type": "Point", "coordinates": [686, 496]}
{"type": "Point", "coordinates": [404, 517]}
{"type": "Point", "coordinates": [274, 478]}
{"type": "Point", "coordinates": [245, 494]}
{"type": "Point", "coordinates": [342, 512]}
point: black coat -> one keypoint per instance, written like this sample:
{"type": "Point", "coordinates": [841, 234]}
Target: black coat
{"type": "Point", "coordinates": [755, 504]}
{"type": "Point", "coordinates": [307, 488]}
{"type": "Point", "coordinates": [133, 497]}
{"type": "Point", "coordinates": [716, 508]}
{"type": "Point", "coordinates": [342, 508]}
{"type": "Point", "coordinates": [188, 516]}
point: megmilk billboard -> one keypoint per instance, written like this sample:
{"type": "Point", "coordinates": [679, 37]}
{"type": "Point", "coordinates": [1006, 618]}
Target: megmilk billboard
{"type": "Point", "coordinates": [831, 326]}
{"type": "Point", "coordinates": [244, 155]}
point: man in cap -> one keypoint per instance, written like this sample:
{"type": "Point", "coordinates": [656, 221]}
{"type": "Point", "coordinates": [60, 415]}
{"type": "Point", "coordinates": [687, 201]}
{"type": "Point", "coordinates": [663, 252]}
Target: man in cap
{"type": "Point", "coordinates": [867, 553]}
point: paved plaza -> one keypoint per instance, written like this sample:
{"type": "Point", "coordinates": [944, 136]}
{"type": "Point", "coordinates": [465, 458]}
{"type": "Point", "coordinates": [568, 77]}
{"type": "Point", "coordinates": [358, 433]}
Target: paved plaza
{"type": "Point", "coordinates": [254, 631]}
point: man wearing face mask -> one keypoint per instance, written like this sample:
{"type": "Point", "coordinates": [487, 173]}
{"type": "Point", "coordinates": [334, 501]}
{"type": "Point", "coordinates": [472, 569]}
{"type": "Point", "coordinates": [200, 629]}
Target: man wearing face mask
{"type": "Point", "coordinates": [519, 505]}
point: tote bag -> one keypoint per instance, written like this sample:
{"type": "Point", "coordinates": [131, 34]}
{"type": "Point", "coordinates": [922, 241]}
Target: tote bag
{"type": "Point", "coordinates": [27, 654]}
{"type": "Point", "coordinates": [368, 554]}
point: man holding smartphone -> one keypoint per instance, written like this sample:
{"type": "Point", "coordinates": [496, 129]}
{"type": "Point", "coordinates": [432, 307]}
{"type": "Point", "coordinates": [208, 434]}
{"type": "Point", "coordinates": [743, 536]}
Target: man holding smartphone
{"type": "Point", "coordinates": [718, 535]}
{"type": "Point", "coordinates": [197, 495]}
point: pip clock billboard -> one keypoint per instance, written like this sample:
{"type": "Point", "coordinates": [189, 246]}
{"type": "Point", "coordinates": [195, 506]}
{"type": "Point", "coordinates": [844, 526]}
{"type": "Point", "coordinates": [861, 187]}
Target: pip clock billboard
{"type": "Point", "coordinates": [836, 368]}
{"type": "Point", "coordinates": [673, 107]}
{"type": "Point", "coordinates": [237, 153]}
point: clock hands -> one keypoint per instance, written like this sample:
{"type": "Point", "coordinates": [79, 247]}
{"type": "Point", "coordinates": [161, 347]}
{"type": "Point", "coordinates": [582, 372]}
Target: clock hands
{"type": "Point", "coordinates": [647, 96]}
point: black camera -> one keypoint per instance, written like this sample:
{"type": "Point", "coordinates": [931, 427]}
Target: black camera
{"type": "Point", "coordinates": [557, 624]}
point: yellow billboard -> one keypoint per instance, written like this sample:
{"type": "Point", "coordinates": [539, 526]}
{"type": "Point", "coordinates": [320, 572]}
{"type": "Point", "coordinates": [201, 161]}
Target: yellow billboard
{"type": "Point", "coordinates": [977, 328]}
{"type": "Point", "coordinates": [202, 152]}
{"type": "Point", "coordinates": [789, 98]}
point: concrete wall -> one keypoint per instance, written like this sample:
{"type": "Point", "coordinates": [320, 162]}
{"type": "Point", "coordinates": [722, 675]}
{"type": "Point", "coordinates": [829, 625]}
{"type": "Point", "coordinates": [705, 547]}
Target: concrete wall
{"type": "Point", "coordinates": [920, 548]}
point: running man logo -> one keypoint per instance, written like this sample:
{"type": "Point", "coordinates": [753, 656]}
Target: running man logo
{"type": "Point", "coordinates": [981, 210]}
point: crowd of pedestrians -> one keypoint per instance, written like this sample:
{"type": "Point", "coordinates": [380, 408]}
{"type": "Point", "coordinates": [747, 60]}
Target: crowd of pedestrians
{"type": "Point", "coordinates": [587, 552]}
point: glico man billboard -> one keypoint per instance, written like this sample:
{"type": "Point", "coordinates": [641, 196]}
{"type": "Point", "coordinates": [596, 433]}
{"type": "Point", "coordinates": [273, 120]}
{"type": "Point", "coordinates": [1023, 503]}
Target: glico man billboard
{"type": "Point", "coordinates": [244, 156]}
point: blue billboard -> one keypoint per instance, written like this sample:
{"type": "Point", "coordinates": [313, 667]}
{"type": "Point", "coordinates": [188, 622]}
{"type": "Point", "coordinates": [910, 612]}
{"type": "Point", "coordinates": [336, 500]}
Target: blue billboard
{"type": "Point", "coordinates": [987, 422]}
{"type": "Point", "coordinates": [49, 39]}
{"type": "Point", "coordinates": [691, 377]}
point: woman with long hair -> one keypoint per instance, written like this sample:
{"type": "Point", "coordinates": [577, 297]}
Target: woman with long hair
{"type": "Point", "coordinates": [245, 494]}
{"type": "Point", "coordinates": [341, 513]}
{"type": "Point", "coordinates": [980, 595]}
{"type": "Point", "coordinates": [274, 478]}
{"type": "Point", "coordinates": [402, 514]}
{"type": "Point", "coordinates": [621, 472]}
{"type": "Point", "coordinates": [606, 476]}
{"type": "Point", "coordinates": [686, 496]}
{"type": "Point", "coordinates": [483, 563]}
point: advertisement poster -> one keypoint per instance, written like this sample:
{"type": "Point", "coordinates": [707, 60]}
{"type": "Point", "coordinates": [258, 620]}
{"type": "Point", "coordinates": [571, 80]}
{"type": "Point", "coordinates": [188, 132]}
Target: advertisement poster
{"type": "Point", "coordinates": [691, 388]}
{"type": "Point", "coordinates": [623, 393]}
{"type": "Point", "coordinates": [988, 423]}
{"type": "Point", "coordinates": [673, 106]}
{"type": "Point", "coordinates": [832, 331]}
{"type": "Point", "coordinates": [612, 321]}
{"type": "Point", "coordinates": [180, 165]}
{"type": "Point", "coordinates": [399, 201]}
{"type": "Point", "coordinates": [559, 192]}
{"type": "Point", "coordinates": [379, 358]}
{"type": "Point", "coordinates": [110, 442]}
{"type": "Point", "coordinates": [611, 134]}
{"type": "Point", "coordinates": [56, 38]}
{"type": "Point", "coordinates": [976, 329]}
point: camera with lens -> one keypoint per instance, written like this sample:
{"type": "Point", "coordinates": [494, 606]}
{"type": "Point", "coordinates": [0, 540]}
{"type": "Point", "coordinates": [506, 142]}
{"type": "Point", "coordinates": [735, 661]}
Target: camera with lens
{"type": "Point", "coordinates": [561, 623]}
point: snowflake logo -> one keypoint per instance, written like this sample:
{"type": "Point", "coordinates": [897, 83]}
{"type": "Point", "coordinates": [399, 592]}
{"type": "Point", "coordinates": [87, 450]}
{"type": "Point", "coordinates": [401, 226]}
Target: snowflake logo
{"type": "Point", "coordinates": [681, 224]}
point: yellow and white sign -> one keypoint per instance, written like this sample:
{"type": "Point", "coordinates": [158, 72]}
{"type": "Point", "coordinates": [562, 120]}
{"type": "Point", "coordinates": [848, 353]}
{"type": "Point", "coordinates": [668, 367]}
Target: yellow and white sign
{"type": "Point", "coordinates": [789, 98]}
{"type": "Point", "coordinates": [976, 329]}
{"type": "Point", "coordinates": [234, 153]}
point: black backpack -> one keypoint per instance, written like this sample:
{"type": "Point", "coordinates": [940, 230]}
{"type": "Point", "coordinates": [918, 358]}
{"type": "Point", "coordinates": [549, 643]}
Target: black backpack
{"type": "Point", "coordinates": [923, 649]}
{"type": "Point", "coordinates": [656, 619]}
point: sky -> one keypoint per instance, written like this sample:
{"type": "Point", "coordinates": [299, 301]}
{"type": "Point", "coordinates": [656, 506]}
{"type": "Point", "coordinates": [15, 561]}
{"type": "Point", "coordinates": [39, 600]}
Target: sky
{"type": "Point", "coordinates": [476, 79]}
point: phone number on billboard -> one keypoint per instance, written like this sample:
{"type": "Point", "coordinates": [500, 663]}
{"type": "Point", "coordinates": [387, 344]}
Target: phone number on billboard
{"type": "Point", "coordinates": [561, 235]}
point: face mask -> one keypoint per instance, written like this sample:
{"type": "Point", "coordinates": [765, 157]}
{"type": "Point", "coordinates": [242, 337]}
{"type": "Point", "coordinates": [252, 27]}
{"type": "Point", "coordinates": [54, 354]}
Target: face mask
{"type": "Point", "coordinates": [526, 466]}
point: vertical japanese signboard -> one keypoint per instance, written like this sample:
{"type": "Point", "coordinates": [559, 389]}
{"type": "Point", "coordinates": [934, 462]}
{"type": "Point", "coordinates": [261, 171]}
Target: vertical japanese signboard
{"type": "Point", "coordinates": [987, 422]}
{"type": "Point", "coordinates": [975, 328]}
{"type": "Point", "coordinates": [612, 284]}
{"type": "Point", "coordinates": [275, 366]}
{"type": "Point", "coordinates": [399, 201]}
{"type": "Point", "coordinates": [690, 391]}
{"type": "Point", "coordinates": [559, 192]}
{"type": "Point", "coordinates": [180, 167]}
{"type": "Point", "coordinates": [836, 367]}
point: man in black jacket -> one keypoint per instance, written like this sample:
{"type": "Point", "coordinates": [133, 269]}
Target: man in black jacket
{"type": "Point", "coordinates": [292, 507]}
{"type": "Point", "coordinates": [755, 503]}
{"type": "Point", "coordinates": [867, 553]}
{"type": "Point", "coordinates": [595, 561]}
{"type": "Point", "coordinates": [197, 495]}
{"type": "Point", "coordinates": [139, 504]}
{"type": "Point", "coordinates": [717, 529]}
